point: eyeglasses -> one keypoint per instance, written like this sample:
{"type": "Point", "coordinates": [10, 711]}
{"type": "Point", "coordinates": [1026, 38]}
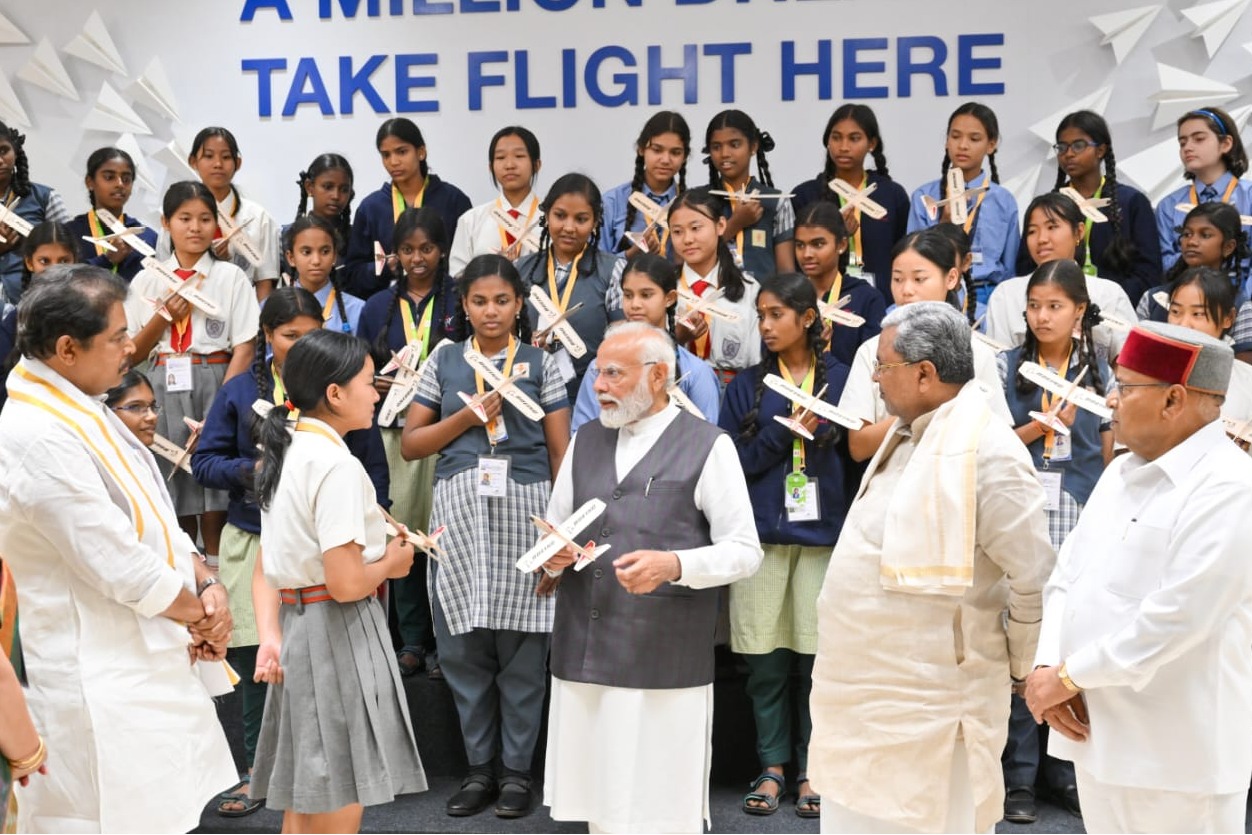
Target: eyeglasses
{"type": "Point", "coordinates": [1119, 385]}
{"type": "Point", "coordinates": [139, 408]}
{"type": "Point", "coordinates": [1077, 146]}
{"type": "Point", "coordinates": [616, 373]}
{"type": "Point", "coordinates": [880, 367]}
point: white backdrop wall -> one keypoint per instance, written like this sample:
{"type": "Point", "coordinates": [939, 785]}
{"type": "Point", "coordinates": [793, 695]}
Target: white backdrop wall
{"type": "Point", "coordinates": [585, 74]}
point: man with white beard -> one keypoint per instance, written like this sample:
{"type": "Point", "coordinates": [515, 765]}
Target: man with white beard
{"type": "Point", "coordinates": [629, 727]}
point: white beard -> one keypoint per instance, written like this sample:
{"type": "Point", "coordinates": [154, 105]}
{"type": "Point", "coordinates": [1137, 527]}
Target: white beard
{"type": "Point", "coordinates": [628, 409]}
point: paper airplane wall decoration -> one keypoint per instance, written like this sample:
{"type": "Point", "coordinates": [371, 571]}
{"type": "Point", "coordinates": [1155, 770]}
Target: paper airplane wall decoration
{"type": "Point", "coordinates": [174, 157]}
{"type": "Point", "coordinates": [1124, 29]}
{"type": "Point", "coordinates": [95, 46]}
{"type": "Point", "coordinates": [1182, 91]}
{"type": "Point", "coordinates": [1214, 21]}
{"type": "Point", "coordinates": [1024, 186]}
{"type": "Point", "coordinates": [1096, 102]}
{"type": "Point", "coordinates": [10, 34]}
{"type": "Point", "coordinates": [1156, 169]}
{"type": "Point", "coordinates": [112, 114]}
{"type": "Point", "coordinates": [44, 69]}
{"type": "Point", "coordinates": [152, 88]}
{"type": "Point", "coordinates": [11, 109]}
{"type": "Point", "coordinates": [130, 145]}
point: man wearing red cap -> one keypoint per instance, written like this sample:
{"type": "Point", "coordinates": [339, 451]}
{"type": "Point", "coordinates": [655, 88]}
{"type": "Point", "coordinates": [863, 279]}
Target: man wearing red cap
{"type": "Point", "coordinates": [1145, 654]}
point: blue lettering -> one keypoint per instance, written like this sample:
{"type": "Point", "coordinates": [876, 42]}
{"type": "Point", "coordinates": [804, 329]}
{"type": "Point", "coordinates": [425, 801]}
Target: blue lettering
{"type": "Point", "coordinates": [478, 79]}
{"type": "Point", "coordinates": [556, 5]}
{"type": "Point", "coordinates": [251, 7]}
{"type": "Point", "coordinates": [687, 73]}
{"type": "Point", "coordinates": [306, 73]}
{"type": "Point", "coordinates": [264, 69]}
{"type": "Point", "coordinates": [349, 8]}
{"type": "Point", "coordinates": [692, 2]}
{"type": "Point", "coordinates": [853, 67]}
{"type": "Point", "coordinates": [359, 82]}
{"type": "Point", "coordinates": [425, 7]}
{"type": "Point", "coordinates": [406, 82]}
{"type": "Point", "coordinates": [967, 65]}
{"type": "Point", "coordinates": [525, 101]}
{"type": "Point", "coordinates": [727, 52]}
{"type": "Point", "coordinates": [628, 82]}
{"type": "Point", "coordinates": [906, 67]}
{"type": "Point", "coordinates": [472, 6]}
{"type": "Point", "coordinates": [822, 68]}
{"type": "Point", "coordinates": [569, 78]}
{"type": "Point", "coordinates": [599, 4]}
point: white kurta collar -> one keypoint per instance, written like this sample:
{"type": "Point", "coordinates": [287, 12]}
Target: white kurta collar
{"type": "Point", "coordinates": [650, 427]}
{"type": "Point", "coordinates": [1179, 461]}
{"type": "Point", "coordinates": [63, 385]}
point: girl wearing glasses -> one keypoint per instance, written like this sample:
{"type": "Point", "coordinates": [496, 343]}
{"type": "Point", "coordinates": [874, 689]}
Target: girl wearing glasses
{"type": "Point", "coordinates": [134, 403]}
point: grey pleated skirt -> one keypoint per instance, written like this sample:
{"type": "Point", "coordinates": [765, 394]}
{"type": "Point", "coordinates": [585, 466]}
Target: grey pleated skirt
{"type": "Point", "coordinates": [337, 730]}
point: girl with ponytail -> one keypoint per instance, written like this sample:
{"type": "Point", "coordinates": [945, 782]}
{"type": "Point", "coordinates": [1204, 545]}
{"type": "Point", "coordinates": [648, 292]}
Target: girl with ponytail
{"type": "Point", "coordinates": [661, 153]}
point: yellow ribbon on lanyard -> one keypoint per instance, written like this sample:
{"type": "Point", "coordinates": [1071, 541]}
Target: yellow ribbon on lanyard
{"type": "Point", "coordinates": [562, 303]}
{"type": "Point", "coordinates": [857, 259]}
{"type": "Point", "coordinates": [1089, 267]}
{"type": "Point", "coordinates": [1230, 189]}
{"type": "Point", "coordinates": [807, 386]}
{"type": "Point", "coordinates": [1047, 401]}
{"type": "Point", "coordinates": [973, 213]}
{"type": "Point", "coordinates": [417, 332]}
{"type": "Point", "coordinates": [507, 371]}
{"type": "Point", "coordinates": [530, 215]}
{"type": "Point", "coordinates": [398, 204]}
{"type": "Point", "coordinates": [734, 204]}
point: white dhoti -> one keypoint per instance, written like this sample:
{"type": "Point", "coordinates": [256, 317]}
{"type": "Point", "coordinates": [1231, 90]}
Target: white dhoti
{"type": "Point", "coordinates": [1110, 808]}
{"type": "Point", "coordinates": [628, 760]}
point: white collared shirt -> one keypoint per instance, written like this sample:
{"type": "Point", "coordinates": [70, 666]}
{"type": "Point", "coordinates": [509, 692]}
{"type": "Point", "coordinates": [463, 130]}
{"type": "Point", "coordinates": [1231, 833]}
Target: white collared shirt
{"type": "Point", "coordinates": [478, 233]}
{"type": "Point", "coordinates": [224, 283]}
{"type": "Point", "coordinates": [733, 345]}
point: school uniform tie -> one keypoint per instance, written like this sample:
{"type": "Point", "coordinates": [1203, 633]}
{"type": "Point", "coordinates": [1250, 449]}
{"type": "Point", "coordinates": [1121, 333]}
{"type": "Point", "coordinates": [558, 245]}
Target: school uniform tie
{"type": "Point", "coordinates": [180, 331]}
{"type": "Point", "coordinates": [703, 347]}
{"type": "Point", "coordinates": [515, 214]}
{"type": "Point", "coordinates": [1209, 194]}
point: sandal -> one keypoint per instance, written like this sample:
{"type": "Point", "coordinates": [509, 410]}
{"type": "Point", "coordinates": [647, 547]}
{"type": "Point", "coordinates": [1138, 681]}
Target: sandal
{"type": "Point", "coordinates": [807, 805]}
{"type": "Point", "coordinates": [770, 801]}
{"type": "Point", "coordinates": [237, 801]}
{"type": "Point", "coordinates": [410, 660]}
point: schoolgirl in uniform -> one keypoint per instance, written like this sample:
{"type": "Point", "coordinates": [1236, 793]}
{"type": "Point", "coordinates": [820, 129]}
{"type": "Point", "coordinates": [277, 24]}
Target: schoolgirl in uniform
{"type": "Point", "coordinates": [402, 150]}
{"type": "Point", "coordinates": [800, 494]}
{"type": "Point", "coordinates": [491, 625]}
{"type": "Point", "coordinates": [697, 222]}
{"type": "Point", "coordinates": [650, 294]}
{"type": "Point", "coordinates": [1214, 160]}
{"type": "Point", "coordinates": [34, 202]}
{"type": "Point", "coordinates": [225, 459]}
{"type": "Point", "coordinates": [851, 135]}
{"type": "Point", "coordinates": [327, 185]}
{"type": "Point", "coordinates": [110, 178]}
{"type": "Point", "coordinates": [134, 403]}
{"type": "Point", "coordinates": [661, 154]}
{"type": "Point", "coordinates": [216, 159]}
{"type": "Point", "coordinates": [1211, 236]}
{"type": "Point", "coordinates": [418, 309]}
{"type": "Point", "coordinates": [311, 246]}
{"type": "Point", "coordinates": [192, 353]}
{"type": "Point", "coordinates": [1058, 306]}
{"type": "Point", "coordinates": [759, 231]}
{"type": "Point", "coordinates": [570, 268]}
{"type": "Point", "coordinates": [924, 268]}
{"type": "Point", "coordinates": [1055, 231]}
{"type": "Point", "coordinates": [335, 735]}
{"type": "Point", "coordinates": [514, 163]}
{"type": "Point", "coordinates": [1127, 248]}
{"type": "Point", "coordinates": [972, 138]}
{"type": "Point", "coordinates": [48, 244]}
{"type": "Point", "coordinates": [821, 241]}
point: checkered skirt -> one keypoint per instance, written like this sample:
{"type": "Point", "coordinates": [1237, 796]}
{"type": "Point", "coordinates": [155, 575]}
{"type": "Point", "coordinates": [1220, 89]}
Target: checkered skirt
{"type": "Point", "coordinates": [1062, 520]}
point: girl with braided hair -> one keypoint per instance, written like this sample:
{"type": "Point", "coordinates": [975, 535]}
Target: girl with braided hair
{"type": "Point", "coordinates": [661, 154]}
{"type": "Point", "coordinates": [851, 135]}
{"type": "Point", "coordinates": [33, 202]}
{"type": "Point", "coordinates": [973, 136]}
{"type": "Point", "coordinates": [800, 490]}
{"type": "Point", "coordinates": [513, 163]}
{"type": "Point", "coordinates": [110, 178]}
{"type": "Point", "coordinates": [311, 246]}
{"type": "Point", "coordinates": [327, 183]}
{"type": "Point", "coordinates": [759, 232]}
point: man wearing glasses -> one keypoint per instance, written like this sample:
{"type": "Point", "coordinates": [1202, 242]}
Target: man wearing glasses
{"type": "Point", "coordinates": [1146, 649]}
{"type": "Point", "coordinates": [629, 728]}
{"type": "Point", "coordinates": [931, 601]}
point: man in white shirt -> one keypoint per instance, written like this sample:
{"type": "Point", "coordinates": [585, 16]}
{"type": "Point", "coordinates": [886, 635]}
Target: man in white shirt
{"type": "Point", "coordinates": [115, 605]}
{"type": "Point", "coordinates": [1145, 659]}
{"type": "Point", "coordinates": [629, 736]}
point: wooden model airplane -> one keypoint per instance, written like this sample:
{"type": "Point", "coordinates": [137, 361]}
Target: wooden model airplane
{"type": "Point", "coordinates": [808, 403]}
{"type": "Point", "coordinates": [1069, 393]}
{"type": "Point", "coordinates": [421, 541]}
{"type": "Point", "coordinates": [836, 313]}
{"type": "Point", "coordinates": [1089, 206]}
{"type": "Point", "coordinates": [240, 240]}
{"type": "Point", "coordinates": [706, 304]}
{"type": "Point", "coordinates": [556, 537]}
{"type": "Point", "coordinates": [755, 194]}
{"type": "Point", "coordinates": [1245, 220]}
{"type": "Point", "coordinates": [958, 209]}
{"type": "Point", "coordinates": [16, 223]}
{"type": "Point", "coordinates": [1240, 431]}
{"type": "Point", "coordinates": [1161, 297]}
{"type": "Point", "coordinates": [653, 212]}
{"type": "Point", "coordinates": [558, 322]}
{"type": "Point", "coordinates": [680, 397]}
{"type": "Point", "coordinates": [179, 456]}
{"type": "Point", "coordinates": [858, 198]}
{"type": "Point", "coordinates": [189, 290]}
{"type": "Point", "coordinates": [381, 258]}
{"type": "Point", "coordinates": [129, 236]}
{"type": "Point", "coordinates": [404, 385]}
{"type": "Point", "coordinates": [507, 387]}
{"type": "Point", "coordinates": [524, 234]}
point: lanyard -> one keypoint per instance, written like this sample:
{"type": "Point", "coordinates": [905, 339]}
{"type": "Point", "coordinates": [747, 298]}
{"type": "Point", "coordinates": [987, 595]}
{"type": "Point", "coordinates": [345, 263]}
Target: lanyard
{"type": "Point", "coordinates": [482, 389]}
{"type": "Point", "coordinates": [562, 303]}
{"type": "Point", "coordinates": [797, 445]}
{"type": "Point", "coordinates": [97, 230]}
{"type": "Point", "coordinates": [317, 430]}
{"type": "Point", "coordinates": [1047, 401]}
{"type": "Point", "coordinates": [856, 260]}
{"type": "Point", "coordinates": [702, 347]}
{"type": "Point", "coordinates": [329, 307]}
{"type": "Point", "coordinates": [734, 204]}
{"type": "Point", "coordinates": [1230, 189]}
{"type": "Point", "coordinates": [418, 332]}
{"type": "Point", "coordinates": [506, 239]}
{"type": "Point", "coordinates": [397, 200]}
{"type": "Point", "coordinates": [1089, 267]}
{"type": "Point", "coordinates": [973, 213]}
{"type": "Point", "coordinates": [180, 331]}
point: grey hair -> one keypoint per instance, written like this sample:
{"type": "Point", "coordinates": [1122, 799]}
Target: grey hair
{"type": "Point", "coordinates": [66, 300]}
{"type": "Point", "coordinates": [655, 345]}
{"type": "Point", "coordinates": [937, 332]}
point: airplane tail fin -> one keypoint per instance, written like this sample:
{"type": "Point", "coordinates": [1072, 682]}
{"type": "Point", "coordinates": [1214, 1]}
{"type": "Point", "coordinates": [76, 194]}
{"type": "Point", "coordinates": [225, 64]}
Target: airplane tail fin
{"type": "Point", "coordinates": [474, 405]}
{"type": "Point", "coordinates": [932, 206]}
{"type": "Point", "coordinates": [596, 551]}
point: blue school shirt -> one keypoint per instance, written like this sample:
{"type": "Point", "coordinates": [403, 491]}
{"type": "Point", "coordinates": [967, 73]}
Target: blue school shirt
{"type": "Point", "coordinates": [130, 266]}
{"type": "Point", "coordinates": [776, 225]}
{"type": "Point", "coordinates": [351, 305]}
{"type": "Point", "coordinates": [1083, 469]}
{"type": "Point", "coordinates": [867, 303]}
{"type": "Point", "coordinates": [227, 453]}
{"type": "Point", "coordinates": [382, 313]}
{"type": "Point", "coordinates": [1168, 218]}
{"type": "Point", "coordinates": [996, 232]}
{"type": "Point", "coordinates": [878, 237]}
{"type": "Point", "coordinates": [700, 386]}
{"type": "Point", "coordinates": [616, 203]}
{"type": "Point", "coordinates": [375, 221]}
{"type": "Point", "coordinates": [766, 458]}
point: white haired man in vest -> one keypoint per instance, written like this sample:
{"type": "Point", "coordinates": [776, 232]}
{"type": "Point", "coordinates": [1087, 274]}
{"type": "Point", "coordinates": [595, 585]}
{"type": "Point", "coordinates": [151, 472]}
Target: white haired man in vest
{"type": "Point", "coordinates": [629, 728]}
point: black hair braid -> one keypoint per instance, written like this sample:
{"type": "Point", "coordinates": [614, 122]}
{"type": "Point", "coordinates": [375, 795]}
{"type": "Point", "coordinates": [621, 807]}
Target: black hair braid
{"type": "Point", "coordinates": [20, 184]}
{"type": "Point", "coordinates": [995, 174]}
{"type": "Point", "coordinates": [238, 201]}
{"type": "Point", "coordinates": [880, 159]}
{"type": "Point", "coordinates": [750, 425]}
{"type": "Point", "coordinates": [682, 177]}
{"type": "Point", "coordinates": [671, 320]}
{"type": "Point", "coordinates": [715, 178]}
{"type": "Point", "coordinates": [337, 289]}
{"type": "Point", "coordinates": [764, 144]}
{"type": "Point", "coordinates": [1087, 357]}
{"type": "Point", "coordinates": [260, 368]}
{"type": "Point", "coordinates": [730, 277]}
{"type": "Point", "coordinates": [1061, 178]}
{"type": "Point", "coordinates": [943, 176]}
{"type": "Point", "coordinates": [636, 184]}
{"type": "Point", "coordinates": [971, 299]}
{"type": "Point", "coordinates": [1235, 262]}
{"type": "Point", "coordinates": [303, 205]}
{"type": "Point", "coordinates": [541, 255]}
{"type": "Point", "coordinates": [381, 349]}
{"type": "Point", "coordinates": [1121, 251]}
{"type": "Point", "coordinates": [828, 174]}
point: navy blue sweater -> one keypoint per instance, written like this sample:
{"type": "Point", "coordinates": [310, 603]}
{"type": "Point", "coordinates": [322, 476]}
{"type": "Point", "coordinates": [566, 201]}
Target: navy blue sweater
{"type": "Point", "coordinates": [867, 303]}
{"type": "Point", "coordinates": [130, 265]}
{"type": "Point", "coordinates": [227, 453]}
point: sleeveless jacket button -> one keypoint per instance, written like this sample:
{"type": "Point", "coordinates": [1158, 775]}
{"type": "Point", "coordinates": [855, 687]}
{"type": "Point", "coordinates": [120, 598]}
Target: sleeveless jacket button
{"type": "Point", "coordinates": [595, 614]}
{"type": "Point", "coordinates": [617, 494]}
{"type": "Point", "coordinates": [598, 574]}
{"type": "Point", "coordinates": [605, 531]}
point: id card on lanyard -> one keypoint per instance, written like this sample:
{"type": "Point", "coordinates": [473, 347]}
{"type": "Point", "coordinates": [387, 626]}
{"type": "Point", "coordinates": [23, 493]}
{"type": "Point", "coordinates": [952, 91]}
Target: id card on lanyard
{"type": "Point", "coordinates": [564, 362]}
{"type": "Point", "coordinates": [800, 498]}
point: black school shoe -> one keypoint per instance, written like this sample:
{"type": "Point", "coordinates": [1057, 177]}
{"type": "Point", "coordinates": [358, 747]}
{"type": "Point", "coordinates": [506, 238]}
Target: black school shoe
{"type": "Point", "coordinates": [1019, 805]}
{"type": "Point", "coordinates": [515, 795]}
{"type": "Point", "coordinates": [478, 791]}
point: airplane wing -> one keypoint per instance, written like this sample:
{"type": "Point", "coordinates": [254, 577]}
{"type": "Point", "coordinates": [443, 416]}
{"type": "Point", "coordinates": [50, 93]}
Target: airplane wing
{"type": "Point", "coordinates": [998, 347]}
{"type": "Point", "coordinates": [171, 452]}
{"type": "Point", "coordinates": [546, 307]}
{"type": "Point", "coordinates": [512, 225]}
{"type": "Point", "coordinates": [134, 241]}
{"type": "Point", "coordinates": [1056, 384]}
{"type": "Point", "coordinates": [507, 389]}
{"type": "Point", "coordinates": [521, 402]}
{"type": "Point", "coordinates": [200, 300]}
{"type": "Point", "coordinates": [14, 221]}
{"type": "Point", "coordinates": [654, 212]}
{"type": "Point", "coordinates": [240, 241]}
{"type": "Point", "coordinates": [793, 393]}
{"type": "Point", "coordinates": [685, 402]}
{"type": "Point", "coordinates": [105, 242]}
{"type": "Point", "coordinates": [1091, 402]}
{"type": "Point", "coordinates": [399, 396]}
{"type": "Point", "coordinates": [486, 368]}
{"type": "Point", "coordinates": [707, 304]}
{"type": "Point", "coordinates": [859, 197]}
{"type": "Point", "coordinates": [541, 552]}
{"type": "Point", "coordinates": [834, 414]}
{"type": "Point", "coordinates": [842, 188]}
{"type": "Point", "coordinates": [1240, 430]}
{"type": "Point", "coordinates": [570, 339]}
{"type": "Point", "coordinates": [1087, 207]}
{"type": "Point", "coordinates": [581, 518]}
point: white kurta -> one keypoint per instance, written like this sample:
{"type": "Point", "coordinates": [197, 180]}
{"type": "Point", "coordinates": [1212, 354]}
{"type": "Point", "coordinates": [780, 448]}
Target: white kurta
{"type": "Point", "coordinates": [635, 760]}
{"type": "Point", "coordinates": [1006, 312]}
{"type": "Point", "coordinates": [1150, 606]}
{"type": "Point", "coordinates": [134, 744]}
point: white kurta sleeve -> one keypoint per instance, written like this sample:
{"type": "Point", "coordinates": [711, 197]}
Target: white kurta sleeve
{"type": "Point", "coordinates": [58, 480]}
{"type": "Point", "coordinates": [561, 500]}
{"type": "Point", "coordinates": [722, 494]}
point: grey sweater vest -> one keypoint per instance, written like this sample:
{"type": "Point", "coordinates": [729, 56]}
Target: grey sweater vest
{"type": "Point", "coordinates": [603, 634]}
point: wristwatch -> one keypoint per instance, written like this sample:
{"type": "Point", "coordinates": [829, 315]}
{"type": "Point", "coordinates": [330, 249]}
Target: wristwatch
{"type": "Point", "coordinates": [1063, 675]}
{"type": "Point", "coordinates": [211, 581]}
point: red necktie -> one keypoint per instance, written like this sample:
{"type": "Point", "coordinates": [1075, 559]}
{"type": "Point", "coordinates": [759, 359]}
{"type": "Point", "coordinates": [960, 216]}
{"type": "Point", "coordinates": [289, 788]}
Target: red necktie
{"type": "Point", "coordinates": [515, 214]}
{"type": "Point", "coordinates": [180, 331]}
{"type": "Point", "coordinates": [703, 346]}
